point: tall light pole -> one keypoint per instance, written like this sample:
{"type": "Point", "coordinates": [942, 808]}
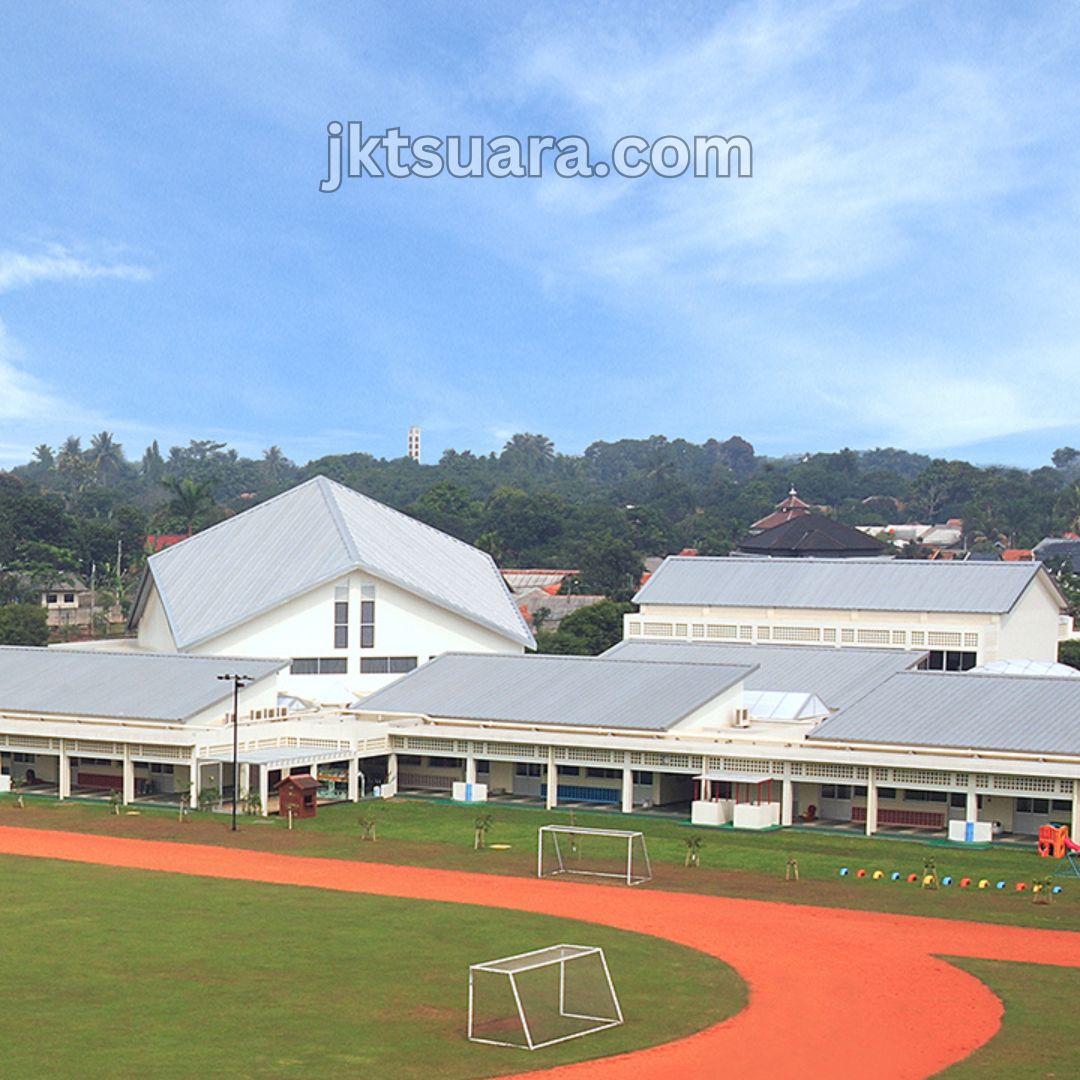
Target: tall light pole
{"type": "Point", "coordinates": [237, 681]}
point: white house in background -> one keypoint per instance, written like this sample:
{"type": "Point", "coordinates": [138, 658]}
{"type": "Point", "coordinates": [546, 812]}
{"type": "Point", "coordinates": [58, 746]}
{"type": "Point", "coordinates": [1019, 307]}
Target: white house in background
{"type": "Point", "coordinates": [962, 613]}
{"type": "Point", "coordinates": [352, 592]}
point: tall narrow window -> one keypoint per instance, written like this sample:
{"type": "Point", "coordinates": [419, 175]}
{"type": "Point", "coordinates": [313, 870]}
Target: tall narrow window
{"type": "Point", "coordinates": [367, 616]}
{"type": "Point", "coordinates": [341, 617]}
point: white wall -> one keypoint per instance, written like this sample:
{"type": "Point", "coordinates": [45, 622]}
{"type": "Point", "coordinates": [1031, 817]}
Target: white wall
{"type": "Point", "coordinates": [1030, 630]}
{"type": "Point", "coordinates": [154, 632]}
{"type": "Point", "coordinates": [405, 625]}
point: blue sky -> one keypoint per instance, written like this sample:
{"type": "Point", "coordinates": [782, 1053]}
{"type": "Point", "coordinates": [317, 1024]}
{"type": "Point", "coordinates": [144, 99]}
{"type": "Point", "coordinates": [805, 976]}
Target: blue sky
{"type": "Point", "coordinates": [900, 270]}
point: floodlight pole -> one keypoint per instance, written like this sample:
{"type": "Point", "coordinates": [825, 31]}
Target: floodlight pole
{"type": "Point", "coordinates": [237, 681]}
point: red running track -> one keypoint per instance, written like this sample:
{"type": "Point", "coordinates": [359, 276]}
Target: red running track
{"type": "Point", "coordinates": [832, 992]}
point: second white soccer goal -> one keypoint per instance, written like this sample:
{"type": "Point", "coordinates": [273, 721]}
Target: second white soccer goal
{"type": "Point", "coordinates": [611, 853]}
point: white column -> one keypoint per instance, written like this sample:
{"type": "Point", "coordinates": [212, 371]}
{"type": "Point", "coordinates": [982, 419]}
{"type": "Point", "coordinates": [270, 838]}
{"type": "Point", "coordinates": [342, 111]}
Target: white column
{"type": "Point", "coordinates": [245, 781]}
{"type": "Point", "coordinates": [129, 777]}
{"type": "Point", "coordinates": [787, 801]}
{"type": "Point", "coordinates": [1074, 821]}
{"type": "Point", "coordinates": [972, 811]}
{"type": "Point", "coordinates": [193, 789]}
{"type": "Point", "coordinates": [871, 803]}
{"type": "Point", "coordinates": [627, 789]}
{"type": "Point", "coordinates": [354, 779]}
{"type": "Point", "coordinates": [552, 781]}
{"type": "Point", "coordinates": [470, 768]}
{"type": "Point", "coordinates": [264, 790]}
{"type": "Point", "coordinates": [391, 785]}
{"type": "Point", "coordinates": [63, 775]}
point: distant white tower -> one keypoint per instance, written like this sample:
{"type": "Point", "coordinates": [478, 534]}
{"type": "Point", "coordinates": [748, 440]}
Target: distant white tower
{"type": "Point", "coordinates": [414, 444]}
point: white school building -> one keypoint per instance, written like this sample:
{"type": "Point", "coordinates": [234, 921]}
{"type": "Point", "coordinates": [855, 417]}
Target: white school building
{"type": "Point", "coordinates": [877, 731]}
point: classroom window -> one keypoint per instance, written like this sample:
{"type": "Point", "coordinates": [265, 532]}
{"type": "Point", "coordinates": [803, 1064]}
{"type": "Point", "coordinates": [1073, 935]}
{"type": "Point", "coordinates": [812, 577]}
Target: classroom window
{"type": "Point", "coordinates": [387, 665]}
{"type": "Point", "coordinates": [915, 795]}
{"type": "Point", "coordinates": [604, 774]}
{"type": "Point", "coordinates": [319, 665]}
{"type": "Point", "coordinates": [836, 791]}
{"type": "Point", "coordinates": [341, 619]}
{"type": "Point", "coordinates": [644, 778]}
{"type": "Point", "coordinates": [444, 763]}
{"type": "Point", "coordinates": [568, 770]}
{"type": "Point", "coordinates": [949, 660]}
{"type": "Point", "coordinates": [526, 768]}
{"type": "Point", "coordinates": [367, 616]}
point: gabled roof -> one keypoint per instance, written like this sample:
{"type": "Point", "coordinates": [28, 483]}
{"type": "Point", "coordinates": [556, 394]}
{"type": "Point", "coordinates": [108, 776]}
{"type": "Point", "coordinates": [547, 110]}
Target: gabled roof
{"type": "Point", "coordinates": [843, 584]}
{"type": "Point", "coordinates": [837, 676]}
{"type": "Point", "coordinates": [809, 534]}
{"type": "Point", "coordinates": [109, 685]}
{"type": "Point", "coordinates": [575, 691]}
{"type": "Point", "coordinates": [965, 711]}
{"type": "Point", "coordinates": [785, 510]}
{"type": "Point", "coordinates": [308, 536]}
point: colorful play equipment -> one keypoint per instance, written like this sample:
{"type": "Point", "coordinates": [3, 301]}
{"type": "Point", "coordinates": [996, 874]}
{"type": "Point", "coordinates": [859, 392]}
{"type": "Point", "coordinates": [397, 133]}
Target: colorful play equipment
{"type": "Point", "coordinates": [1054, 842]}
{"type": "Point", "coordinates": [928, 879]}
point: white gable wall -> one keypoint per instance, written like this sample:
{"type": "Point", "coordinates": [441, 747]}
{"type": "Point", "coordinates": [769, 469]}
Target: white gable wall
{"type": "Point", "coordinates": [405, 625]}
{"type": "Point", "coordinates": [154, 632]}
{"type": "Point", "coordinates": [1032, 629]}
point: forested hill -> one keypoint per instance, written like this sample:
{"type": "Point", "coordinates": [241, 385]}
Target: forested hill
{"type": "Point", "coordinates": [73, 507]}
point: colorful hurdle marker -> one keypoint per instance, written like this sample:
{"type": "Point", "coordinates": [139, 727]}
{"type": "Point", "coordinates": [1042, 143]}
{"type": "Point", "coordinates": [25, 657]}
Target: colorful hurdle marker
{"type": "Point", "coordinates": [964, 882]}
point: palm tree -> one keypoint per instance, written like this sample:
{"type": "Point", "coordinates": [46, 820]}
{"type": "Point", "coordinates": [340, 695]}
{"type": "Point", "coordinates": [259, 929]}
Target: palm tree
{"type": "Point", "coordinates": [275, 463]}
{"type": "Point", "coordinates": [106, 454]}
{"type": "Point", "coordinates": [43, 455]}
{"type": "Point", "coordinates": [190, 499]}
{"type": "Point", "coordinates": [535, 452]}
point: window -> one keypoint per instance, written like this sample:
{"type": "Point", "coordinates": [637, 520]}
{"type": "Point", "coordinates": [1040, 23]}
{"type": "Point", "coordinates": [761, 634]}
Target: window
{"type": "Point", "coordinates": [409, 759]}
{"type": "Point", "coordinates": [319, 665]}
{"type": "Point", "coordinates": [444, 763]}
{"type": "Point", "coordinates": [158, 767]}
{"type": "Point", "coordinates": [915, 795]}
{"type": "Point", "coordinates": [26, 759]}
{"type": "Point", "coordinates": [69, 598]}
{"type": "Point", "coordinates": [387, 665]}
{"type": "Point", "coordinates": [526, 768]}
{"type": "Point", "coordinates": [604, 774]}
{"type": "Point", "coordinates": [1061, 805]}
{"type": "Point", "coordinates": [1033, 806]}
{"type": "Point", "coordinates": [958, 800]}
{"type": "Point", "coordinates": [950, 660]}
{"type": "Point", "coordinates": [51, 598]}
{"type": "Point", "coordinates": [886, 793]}
{"type": "Point", "coordinates": [341, 619]}
{"type": "Point", "coordinates": [643, 778]}
{"type": "Point", "coordinates": [567, 770]}
{"type": "Point", "coordinates": [836, 791]}
{"type": "Point", "coordinates": [367, 616]}
{"type": "Point", "coordinates": [483, 767]}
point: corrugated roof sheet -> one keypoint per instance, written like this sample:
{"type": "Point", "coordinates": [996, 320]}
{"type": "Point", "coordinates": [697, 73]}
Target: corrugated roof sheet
{"type": "Point", "coordinates": [577, 691]}
{"type": "Point", "coordinates": [976, 712]}
{"type": "Point", "coordinates": [839, 584]}
{"type": "Point", "coordinates": [837, 676]}
{"type": "Point", "coordinates": [130, 686]}
{"type": "Point", "coordinates": [313, 534]}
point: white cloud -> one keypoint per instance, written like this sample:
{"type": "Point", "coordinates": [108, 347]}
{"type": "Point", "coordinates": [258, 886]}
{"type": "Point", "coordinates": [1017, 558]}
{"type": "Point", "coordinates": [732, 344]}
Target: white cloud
{"type": "Point", "coordinates": [58, 263]}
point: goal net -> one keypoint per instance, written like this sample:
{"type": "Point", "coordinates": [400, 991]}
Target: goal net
{"type": "Point", "coordinates": [613, 853]}
{"type": "Point", "coordinates": [542, 997]}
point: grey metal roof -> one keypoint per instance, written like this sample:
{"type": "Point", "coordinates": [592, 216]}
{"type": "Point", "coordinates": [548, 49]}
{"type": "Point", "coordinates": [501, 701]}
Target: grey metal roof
{"type": "Point", "coordinates": [977, 712]}
{"type": "Point", "coordinates": [110, 685]}
{"type": "Point", "coordinates": [839, 584]}
{"type": "Point", "coordinates": [837, 676]}
{"type": "Point", "coordinates": [578, 691]}
{"type": "Point", "coordinates": [315, 533]}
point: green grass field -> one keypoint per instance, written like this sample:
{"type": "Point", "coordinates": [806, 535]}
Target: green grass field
{"type": "Point", "coordinates": [113, 972]}
{"type": "Point", "coordinates": [1035, 1039]}
{"type": "Point", "coordinates": [1040, 1018]}
{"type": "Point", "coordinates": [424, 833]}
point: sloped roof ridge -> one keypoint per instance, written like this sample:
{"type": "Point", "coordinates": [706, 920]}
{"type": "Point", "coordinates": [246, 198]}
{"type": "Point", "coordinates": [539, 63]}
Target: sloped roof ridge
{"type": "Point", "coordinates": [330, 487]}
{"type": "Point", "coordinates": [146, 654]}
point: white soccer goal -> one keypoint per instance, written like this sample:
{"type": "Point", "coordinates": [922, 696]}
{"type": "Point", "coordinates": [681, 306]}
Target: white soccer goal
{"type": "Point", "coordinates": [565, 849]}
{"type": "Point", "coordinates": [542, 997]}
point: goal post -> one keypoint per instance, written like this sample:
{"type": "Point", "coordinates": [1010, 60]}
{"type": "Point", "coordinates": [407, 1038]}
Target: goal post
{"type": "Point", "coordinates": [612, 853]}
{"type": "Point", "coordinates": [542, 997]}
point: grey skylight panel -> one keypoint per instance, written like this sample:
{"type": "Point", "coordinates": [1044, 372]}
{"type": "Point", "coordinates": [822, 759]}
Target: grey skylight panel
{"type": "Point", "coordinates": [968, 711]}
{"type": "Point", "coordinates": [837, 676]}
{"type": "Point", "coordinates": [138, 686]}
{"type": "Point", "coordinates": [565, 690]}
{"type": "Point", "coordinates": [839, 584]}
{"type": "Point", "coordinates": [313, 534]}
